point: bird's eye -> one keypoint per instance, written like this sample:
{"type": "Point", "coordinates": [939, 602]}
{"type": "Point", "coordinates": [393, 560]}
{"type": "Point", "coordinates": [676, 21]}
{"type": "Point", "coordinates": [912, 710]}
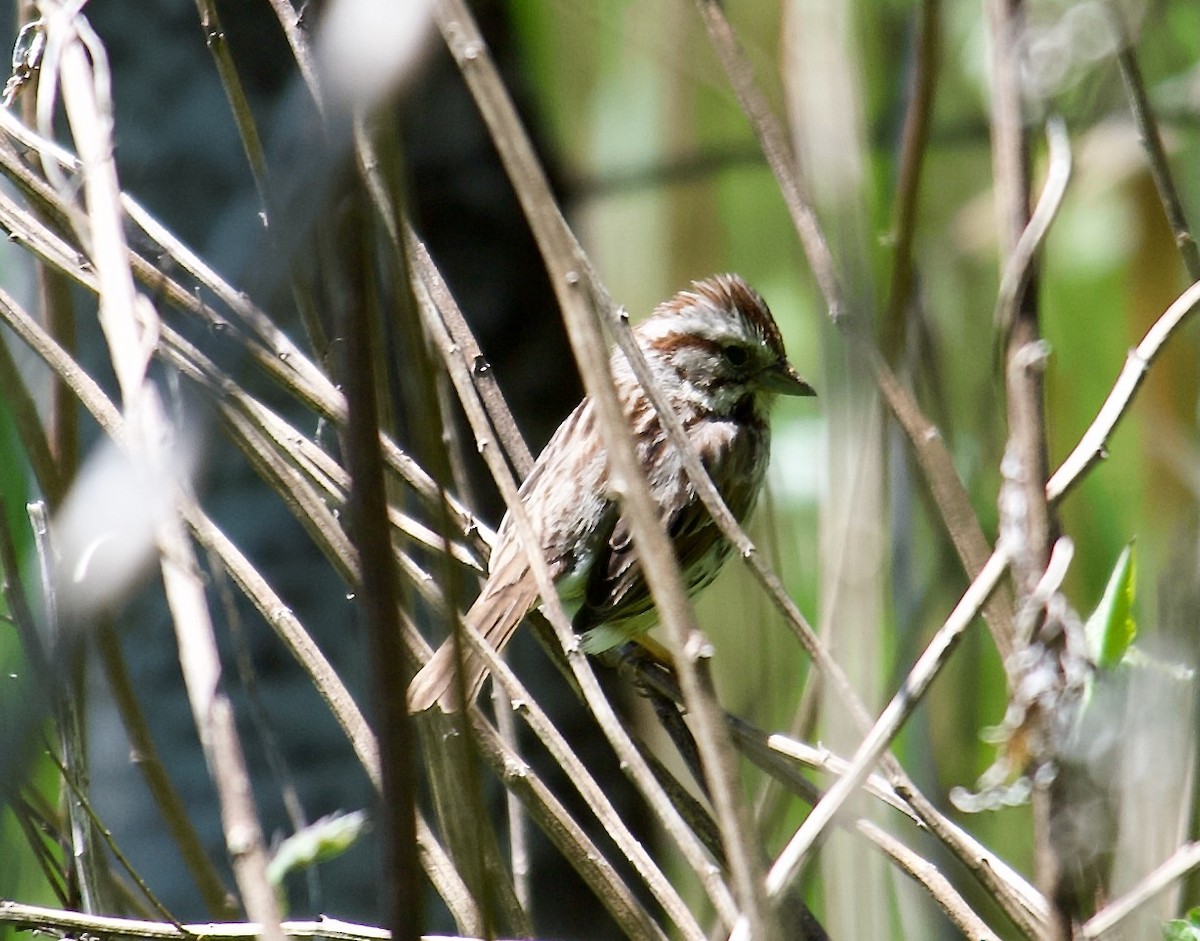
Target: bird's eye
{"type": "Point", "coordinates": [735, 355]}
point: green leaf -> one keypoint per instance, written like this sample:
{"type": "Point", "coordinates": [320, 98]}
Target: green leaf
{"type": "Point", "coordinates": [320, 841]}
{"type": "Point", "coordinates": [1183, 929]}
{"type": "Point", "coordinates": [1111, 628]}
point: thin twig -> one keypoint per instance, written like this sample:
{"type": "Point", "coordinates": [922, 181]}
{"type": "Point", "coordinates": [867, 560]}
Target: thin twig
{"type": "Point", "coordinates": [213, 714]}
{"type": "Point", "coordinates": [1185, 859]}
{"type": "Point", "coordinates": [822, 759]}
{"type": "Point", "coordinates": [17, 602]}
{"type": "Point", "coordinates": [55, 921]}
{"type": "Point", "coordinates": [935, 883]}
{"type": "Point", "coordinates": [260, 716]}
{"type": "Point", "coordinates": [1018, 267]}
{"type": "Point", "coordinates": [34, 443]}
{"type": "Point", "coordinates": [293, 29]}
{"type": "Point", "coordinates": [79, 795]}
{"type": "Point", "coordinates": [1020, 901]}
{"type": "Point", "coordinates": [519, 855]}
{"type": "Point", "coordinates": [39, 832]}
{"type": "Point", "coordinates": [914, 140]}
{"type": "Point", "coordinates": [67, 690]}
{"type": "Point", "coordinates": [1147, 126]}
{"type": "Point", "coordinates": [239, 107]}
{"type": "Point", "coordinates": [482, 375]}
{"type": "Point", "coordinates": [235, 94]}
{"type": "Point", "coordinates": [774, 142]}
{"type": "Point", "coordinates": [787, 865]}
{"type": "Point", "coordinates": [1093, 445]}
{"type": "Point", "coordinates": [166, 796]}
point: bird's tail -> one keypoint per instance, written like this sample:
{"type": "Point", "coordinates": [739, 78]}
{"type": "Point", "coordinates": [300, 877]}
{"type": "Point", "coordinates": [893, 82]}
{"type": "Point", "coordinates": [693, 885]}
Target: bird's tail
{"type": "Point", "coordinates": [495, 614]}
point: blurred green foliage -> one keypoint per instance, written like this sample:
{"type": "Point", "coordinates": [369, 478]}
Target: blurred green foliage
{"type": "Point", "coordinates": [20, 875]}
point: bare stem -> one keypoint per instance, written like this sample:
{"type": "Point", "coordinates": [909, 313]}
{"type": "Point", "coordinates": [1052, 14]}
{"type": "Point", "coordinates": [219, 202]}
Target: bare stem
{"type": "Point", "coordinates": [55, 921]}
{"type": "Point", "coordinates": [788, 864]}
{"type": "Point", "coordinates": [913, 142]}
{"type": "Point", "coordinates": [1179, 864]}
{"type": "Point", "coordinates": [1147, 126]}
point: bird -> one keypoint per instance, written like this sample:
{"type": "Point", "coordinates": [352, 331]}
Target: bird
{"type": "Point", "coordinates": [717, 355]}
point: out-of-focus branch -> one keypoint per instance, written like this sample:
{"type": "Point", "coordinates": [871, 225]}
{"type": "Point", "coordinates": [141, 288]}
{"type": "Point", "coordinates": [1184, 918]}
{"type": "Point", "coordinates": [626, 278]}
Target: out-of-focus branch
{"type": "Point", "coordinates": [379, 597]}
{"type": "Point", "coordinates": [774, 142]}
{"type": "Point", "coordinates": [913, 142]}
{"type": "Point", "coordinates": [129, 322]}
{"type": "Point", "coordinates": [1160, 168]}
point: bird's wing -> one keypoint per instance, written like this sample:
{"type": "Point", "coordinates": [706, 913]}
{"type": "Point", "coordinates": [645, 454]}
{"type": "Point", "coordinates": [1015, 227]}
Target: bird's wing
{"type": "Point", "coordinates": [563, 496]}
{"type": "Point", "coordinates": [617, 589]}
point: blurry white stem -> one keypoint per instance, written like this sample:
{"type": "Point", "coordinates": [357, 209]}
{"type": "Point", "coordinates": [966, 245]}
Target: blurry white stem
{"type": "Point", "coordinates": [518, 823]}
{"type": "Point", "coordinates": [130, 327]}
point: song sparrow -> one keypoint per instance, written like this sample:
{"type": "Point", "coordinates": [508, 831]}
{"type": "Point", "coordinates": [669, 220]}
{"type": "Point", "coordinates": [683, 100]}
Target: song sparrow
{"type": "Point", "coordinates": [717, 354]}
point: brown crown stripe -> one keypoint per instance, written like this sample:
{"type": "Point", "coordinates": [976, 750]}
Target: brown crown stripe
{"type": "Point", "coordinates": [676, 341]}
{"type": "Point", "coordinates": [729, 290]}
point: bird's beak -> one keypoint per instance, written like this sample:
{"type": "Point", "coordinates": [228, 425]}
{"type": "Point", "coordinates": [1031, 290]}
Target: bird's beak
{"type": "Point", "coordinates": [783, 378]}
